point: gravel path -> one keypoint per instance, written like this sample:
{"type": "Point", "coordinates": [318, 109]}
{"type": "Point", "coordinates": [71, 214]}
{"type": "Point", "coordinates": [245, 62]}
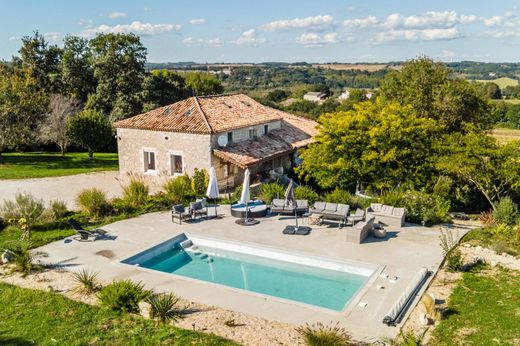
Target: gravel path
{"type": "Point", "coordinates": [63, 188]}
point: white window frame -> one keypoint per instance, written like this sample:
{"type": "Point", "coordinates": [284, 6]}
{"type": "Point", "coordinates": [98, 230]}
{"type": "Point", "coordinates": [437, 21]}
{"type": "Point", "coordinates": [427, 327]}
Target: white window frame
{"type": "Point", "coordinates": [149, 150]}
{"type": "Point", "coordinates": [177, 153]}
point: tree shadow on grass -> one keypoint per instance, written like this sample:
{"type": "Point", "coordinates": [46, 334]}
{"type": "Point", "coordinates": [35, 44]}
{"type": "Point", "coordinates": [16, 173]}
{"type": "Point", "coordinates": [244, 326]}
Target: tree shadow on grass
{"type": "Point", "coordinates": [15, 341]}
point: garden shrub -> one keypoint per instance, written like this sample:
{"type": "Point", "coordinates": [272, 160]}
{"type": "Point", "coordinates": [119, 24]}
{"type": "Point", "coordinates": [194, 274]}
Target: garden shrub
{"type": "Point", "coordinates": [306, 192]}
{"type": "Point", "coordinates": [123, 295]}
{"type": "Point", "coordinates": [58, 209]}
{"type": "Point", "coordinates": [270, 191]}
{"type": "Point", "coordinates": [358, 202]}
{"type": "Point", "coordinates": [199, 182]}
{"type": "Point", "coordinates": [338, 196]}
{"type": "Point", "coordinates": [421, 207]}
{"type": "Point", "coordinates": [25, 210]}
{"type": "Point", "coordinates": [506, 211]}
{"type": "Point", "coordinates": [93, 202]}
{"type": "Point", "coordinates": [321, 335]}
{"type": "Point", "coordinates": [164, 307]}
{"type": "Point", "coordinates": [22, 261]}
{"type": "Point", "coordinates": [136, 192]}
{"type": "Point", "coordinates": [179, 189]}
{"type": "Point", "coordinates": [86, 281]}
{"type": "Point", "coordinates": [235, 196]}
{"type": "Point", "coordinates": [442, 187]}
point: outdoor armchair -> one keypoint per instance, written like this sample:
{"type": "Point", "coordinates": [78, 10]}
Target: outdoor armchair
{"type": "Point", "coordinates": [179, 212]}
{"type": "Point", "coordinates": [199, 209]}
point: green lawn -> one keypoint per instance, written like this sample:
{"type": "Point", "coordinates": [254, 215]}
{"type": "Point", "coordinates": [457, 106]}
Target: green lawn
{"type": "Point", "coordinates": [33, 317]}
{"type": "Point", "coordinates": [46, 164]}
{"type": "Point", "coordinates": [484, 309]}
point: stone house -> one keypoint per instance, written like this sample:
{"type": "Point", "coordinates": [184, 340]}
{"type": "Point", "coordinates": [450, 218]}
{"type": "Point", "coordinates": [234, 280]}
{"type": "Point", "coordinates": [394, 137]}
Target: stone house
{"type": "Point", "coordinates": [315, 96]}
{"type": "Point", "coordinates": [229, 132]}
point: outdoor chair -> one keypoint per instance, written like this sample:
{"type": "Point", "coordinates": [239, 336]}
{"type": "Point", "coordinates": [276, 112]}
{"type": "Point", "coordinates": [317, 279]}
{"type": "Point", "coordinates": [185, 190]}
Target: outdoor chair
{"type": "Point", "coordinates": [179, 212]}
{"type": "Point", "coordinates": [199, 209]}
{"type": "Point", "coordinates": [359, 215]}
{"type": "Point", "coordinates": [318, 207]}
{"type": "Point", "coordinates": [85, 235]}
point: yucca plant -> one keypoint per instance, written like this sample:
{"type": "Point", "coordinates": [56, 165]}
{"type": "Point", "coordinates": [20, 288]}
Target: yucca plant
{"type": "Point", "coordinates": [86, 281]}
{"type": "Point", "coordinates": [321, 335]}
{"type": "Point", "coordinates": [163, 306]}
{"type": "Point", "coordinates": [123, 296]}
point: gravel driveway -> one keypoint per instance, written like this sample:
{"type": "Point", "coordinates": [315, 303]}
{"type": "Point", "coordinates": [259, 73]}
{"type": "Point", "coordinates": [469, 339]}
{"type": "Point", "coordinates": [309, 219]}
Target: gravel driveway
{"type": "Point", "coordinates": [63, 188]}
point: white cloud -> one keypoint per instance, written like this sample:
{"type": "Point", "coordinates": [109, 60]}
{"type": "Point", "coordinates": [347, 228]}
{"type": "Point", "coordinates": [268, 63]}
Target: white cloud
{"type": "Point", "coordinates": [316, 23]}
{"type": "Point", "coordinates": [52, 36]}
{"type": "Point", "coordinates": [361, 22]}
{"type": "Point", "coordinates": [138, 28]}
{"type": "Point", "coordinates": [87, 23]}
{"type": "Point", "coordinates": [197, 42]}
{"type": "Point", "coordinates": [414, 35]}
{"type": "Point", "coordinates": [115, 15]}
{"type": "Point", "coordinates": [249, 38]}
{"type": "Point", "coordinates": [312, 39]}
{"type": "Point", "coordinates": [493, 21]}
{"type": "Point", "coordinates": [14, 38]}
{"type": "Point", "coordinates": [197, 21]}
{"type": "Point", "coordinates": [147, 9]}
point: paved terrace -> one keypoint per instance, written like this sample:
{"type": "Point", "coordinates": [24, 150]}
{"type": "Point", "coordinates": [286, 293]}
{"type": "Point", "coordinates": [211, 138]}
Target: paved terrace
{"type": "Point", "coordinates": [402, 253]}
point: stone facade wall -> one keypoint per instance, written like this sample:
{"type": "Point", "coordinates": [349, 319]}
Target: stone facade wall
{"type": "Point", "coordinates": [195, 150]}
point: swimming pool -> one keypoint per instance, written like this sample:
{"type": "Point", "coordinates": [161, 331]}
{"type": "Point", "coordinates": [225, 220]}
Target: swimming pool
{"type": "Point", "coordinates": [325, 284]}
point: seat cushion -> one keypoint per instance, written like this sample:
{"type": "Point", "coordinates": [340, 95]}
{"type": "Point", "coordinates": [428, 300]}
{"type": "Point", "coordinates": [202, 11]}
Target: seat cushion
{"type": "Point", "coordinates": [343, 208]}
{"type": "Point", "coordinates": [319, 205]}
{"type": "Point", "coordinates": [331, 207]}
{"type": "Point", "coordinates": [375, 207]}
{"type": "Point", "coordinates": [398, 211]}
{"type": "Point", "coordinates": [386, 209]}
{"type": "Point", "coordinates": [302, 203]}
{"type": "Point", "coordinates": [278, 203]}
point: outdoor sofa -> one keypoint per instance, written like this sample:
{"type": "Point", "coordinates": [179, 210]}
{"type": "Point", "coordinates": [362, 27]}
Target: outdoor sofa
{"type": "Point", "coordinates": [279, 206]}
{"type": "Point", "coordinates": [331, 211]}
{"type": "Point", "coordinates": [360, 231]}
{"type": "Point", "coordinates": [386, 214]}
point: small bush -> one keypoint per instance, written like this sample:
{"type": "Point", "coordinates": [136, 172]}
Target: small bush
{"type": "Point", "coordinates": [486, 217]}
{"type": "Point", "coordinates": [92, 201]}
{"type": "Point", "coordinates": [501, 229]}
{"type": "Point", "coordinates": [321, 335]}
{"type": "Point", "coordinates": [22, 261]}
{"type": "Point", "coordinates": [86, 281]}
{"type": "Point", "coordinates": [26, 210]}
{"type": "Point", "coordinates": [442, 187]}
{"type": "Point", "coordinates": [338, 196]}
{"type": "Point", "coordinates": [235, 196]}
{"type": "Point", "coordinates": [506, 211]}
{"type": "Point", "coordinates": [123, 295]}
{"type": "Point", "coordinates": [200, 180]}
{"type": "Point", "coordinates": [306, 192]}
{"type": "Point", "coordinates": [179, 189]}
{"type": "Point", "coordinates": [270, 191]}
{"type": "Point", "coordinates": [360, 202]}
{"type": "Point", "coordinates": [454, 260]}
{"type": "Point", "coordinates": [163, 306]}
{"type": "Point", "coordinates": [136, 192]}
{"type": "Point", "coordinates": [58, 209]}
{"type": "Point", "coordinates": [408, 339]}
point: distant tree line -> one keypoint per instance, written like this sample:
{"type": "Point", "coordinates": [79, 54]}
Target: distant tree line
{"type": "Point", "coordinates": [99, 80]}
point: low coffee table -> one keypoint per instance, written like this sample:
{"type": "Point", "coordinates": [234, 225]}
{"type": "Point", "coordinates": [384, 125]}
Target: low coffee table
{"type": "Point", "coordinates": [315, 219]}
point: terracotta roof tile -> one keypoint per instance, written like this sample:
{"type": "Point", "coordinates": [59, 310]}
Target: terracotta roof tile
{"type": "Point", "coordinates": [207, 114]}
{"type": "Point", "coordinates": [294, 133]}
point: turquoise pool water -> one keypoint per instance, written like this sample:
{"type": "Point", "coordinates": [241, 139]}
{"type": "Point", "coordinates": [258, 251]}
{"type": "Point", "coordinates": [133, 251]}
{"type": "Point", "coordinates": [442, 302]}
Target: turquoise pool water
{"type": "Point", "coordinates": [311, 285]}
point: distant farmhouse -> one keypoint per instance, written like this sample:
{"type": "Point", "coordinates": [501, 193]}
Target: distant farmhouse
{"type": "Point", "coordinates": [315, 96]}
{"type": "Point", "coordinates": [229, 132]}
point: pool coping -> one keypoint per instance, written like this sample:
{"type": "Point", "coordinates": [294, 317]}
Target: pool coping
{"type": "Point", "coordinates": [347, 308]}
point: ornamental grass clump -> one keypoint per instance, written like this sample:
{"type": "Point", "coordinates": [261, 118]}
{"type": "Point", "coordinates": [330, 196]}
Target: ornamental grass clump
{"type": "Point", "coordinates": [93, 202]}
{"type": "Point", "coordinates": [136, 192]}
{"type": "Point", "coordinates": [321, 335]}
{"type": "Point", "coordinates": [86, 281]}
{"type": "Point", "coordinates": [24, 211]}
{"type": "Point", "coordinates": [163, 306]}
{"type": "Point", "coordinates": [123, 296]}
{"type": "Point", "coordinates": [179, 189]}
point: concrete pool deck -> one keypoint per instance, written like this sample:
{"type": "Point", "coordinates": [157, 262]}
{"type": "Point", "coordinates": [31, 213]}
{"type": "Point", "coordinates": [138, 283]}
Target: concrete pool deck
{"type": "Point", "coordinates": [401, 254]}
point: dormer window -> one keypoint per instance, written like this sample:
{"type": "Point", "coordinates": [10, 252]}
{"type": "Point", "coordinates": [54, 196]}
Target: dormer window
{"type": "Point", "coordinates": [266, 129]}
{"type": "Point", "coordinates": [188, 112]}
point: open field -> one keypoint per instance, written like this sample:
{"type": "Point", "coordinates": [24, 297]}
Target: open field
{"type": "Point", "coordinates": [47, 164]}
{"type": "Point", "coordinates": [356, 67]}
{"type": "Point", "coordinates": [44, 318]}
{"type": "Point", "coordinates": [502, 82]}
{"type": "Point", "coordinates": [506, 135]}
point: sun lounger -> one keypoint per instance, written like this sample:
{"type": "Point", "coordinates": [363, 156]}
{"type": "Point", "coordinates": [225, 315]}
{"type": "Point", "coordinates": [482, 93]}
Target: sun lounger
{"type": "Point", "coordinates": [85, 235]}
{"type": "Point", "coordinates": [179, 212]}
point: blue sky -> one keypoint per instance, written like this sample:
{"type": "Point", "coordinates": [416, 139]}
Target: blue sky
{"type": "Point", "coordinates": [267, 30]}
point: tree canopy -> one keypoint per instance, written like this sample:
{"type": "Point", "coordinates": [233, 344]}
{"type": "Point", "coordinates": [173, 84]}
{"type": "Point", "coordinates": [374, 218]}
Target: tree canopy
{"type": "Point", "coordinates": [380, 145]}
{"type": "Point", "coordinates": [90, 129]}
